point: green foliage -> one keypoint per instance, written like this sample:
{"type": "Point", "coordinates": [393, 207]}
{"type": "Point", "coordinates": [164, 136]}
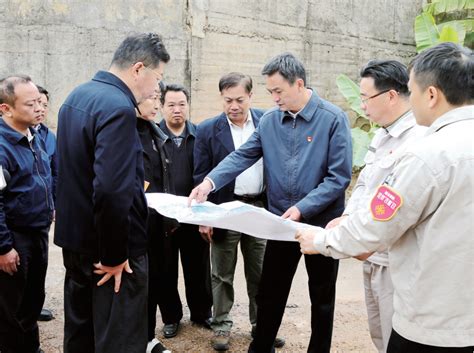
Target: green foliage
{"type": "Point", "coordinates": [351, 92]}
{"type": "Point", "coordinates": [426, 32]}
{"type": "Point", "coordinates": [445, 21]}
{"type": "Point", "coordinates": [364, 130]}
{"type": "Point", "coordinates": [360, 145]}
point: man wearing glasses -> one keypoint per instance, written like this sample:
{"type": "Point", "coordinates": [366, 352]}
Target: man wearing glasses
{"type": "Point", "coordinates": [101, 205]}
{"type": "Point", "coordinates": [423, 213]}
{"type": "Point", "coordinates": [384, 99]}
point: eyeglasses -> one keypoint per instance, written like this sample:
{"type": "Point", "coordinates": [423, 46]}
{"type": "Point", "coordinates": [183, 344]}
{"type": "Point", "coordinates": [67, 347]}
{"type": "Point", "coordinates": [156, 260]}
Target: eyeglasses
{"type": "Point", "coordinates": [365, 100]}
{"type": "Point", "coordinates": [159, 76]}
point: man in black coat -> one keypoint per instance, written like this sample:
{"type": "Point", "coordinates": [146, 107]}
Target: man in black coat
{"type": "Point", "coordinates": [183, 241]}
{"type": "Point", "coordinates": [101, 206]}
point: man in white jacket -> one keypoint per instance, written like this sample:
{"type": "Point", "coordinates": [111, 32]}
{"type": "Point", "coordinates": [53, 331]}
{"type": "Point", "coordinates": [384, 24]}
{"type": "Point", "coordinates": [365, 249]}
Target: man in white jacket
{"type": "Point", "coordinates": [384, 92]}
{"type": "Point", "coordinates": [423, 213]}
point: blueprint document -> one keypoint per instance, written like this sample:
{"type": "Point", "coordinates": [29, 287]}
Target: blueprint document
{"type": "Point", "coordinates": [235, 215]}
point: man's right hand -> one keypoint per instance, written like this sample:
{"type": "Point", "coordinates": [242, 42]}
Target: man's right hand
{"type": "Point", "coordinates": [109, 272]}
{"type": "Point", "coordinates": [335, 222]}
{"type": "Point", "coordinates": [200, 192]}
{"type": "Point", "coordinates": [206, 233]}
{"type": "Point", "coordinates": [9, 262]}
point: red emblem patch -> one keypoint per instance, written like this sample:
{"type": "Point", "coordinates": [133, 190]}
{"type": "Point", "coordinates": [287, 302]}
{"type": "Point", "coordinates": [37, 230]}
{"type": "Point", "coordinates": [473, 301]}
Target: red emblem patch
{"type": "Point", "coordinates": [385, 203]}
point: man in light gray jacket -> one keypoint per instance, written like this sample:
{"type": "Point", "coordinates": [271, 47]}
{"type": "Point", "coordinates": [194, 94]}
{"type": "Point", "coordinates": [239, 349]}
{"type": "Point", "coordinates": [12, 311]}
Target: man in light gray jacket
{"type": "Point", "coordinates": [423, 213]}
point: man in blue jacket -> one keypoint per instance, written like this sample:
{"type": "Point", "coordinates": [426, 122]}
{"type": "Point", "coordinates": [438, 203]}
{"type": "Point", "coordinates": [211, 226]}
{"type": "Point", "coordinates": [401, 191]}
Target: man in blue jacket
{"type": "Point", "coordinates": [49, 139]}
{"type": "Point", "coordinates": [216, 138]}
{"type": "Point", "coordinates": [26, 210]}
{"type": "Point", "coordinates": [306, 149]}
{"type": "Point", "coordinates": [101, 206]}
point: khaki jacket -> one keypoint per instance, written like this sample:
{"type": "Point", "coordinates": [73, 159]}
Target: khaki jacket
{"type": "Point", "coordinates": [386, 147]}
{"type": "Point", "coordinates": [430, 238]}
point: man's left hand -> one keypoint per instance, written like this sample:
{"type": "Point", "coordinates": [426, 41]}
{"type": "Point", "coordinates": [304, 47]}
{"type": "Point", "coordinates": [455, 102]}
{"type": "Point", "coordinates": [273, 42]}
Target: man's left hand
{"type": "Point", "coordinates": [292, 213]}
{"type": "Point", "coordinates": [305, 238]}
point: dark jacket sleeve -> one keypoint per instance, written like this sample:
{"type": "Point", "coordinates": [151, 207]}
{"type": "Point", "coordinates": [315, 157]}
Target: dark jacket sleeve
{"type": "Point", "coordinates": [54, 168]}
{"type": "Point", "coordinates": [6, 239]}
{"type": "Point", "coordinates": [202, 153]}
{"type": "Point", "coordinates": [114, 169]}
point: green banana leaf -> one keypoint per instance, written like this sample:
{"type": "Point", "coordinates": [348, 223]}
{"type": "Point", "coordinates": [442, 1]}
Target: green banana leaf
{"type": "Point", "coordinates": [449, 34]}
{"type": "Point", "coordinates": [351, 92]}
{"type": "Point", "coordinates": [437, 7]}
{"type": "Point", "coordinates": [426, 32]}
{"type": "Point", "coordinates": [360, 145]}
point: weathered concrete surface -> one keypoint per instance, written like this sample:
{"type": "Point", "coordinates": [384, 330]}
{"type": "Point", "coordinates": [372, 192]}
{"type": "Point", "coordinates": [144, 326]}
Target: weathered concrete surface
{"type": "Point", "coordinates": [330, 37]}
{"type": "Point", "coordinates": [62, 43]}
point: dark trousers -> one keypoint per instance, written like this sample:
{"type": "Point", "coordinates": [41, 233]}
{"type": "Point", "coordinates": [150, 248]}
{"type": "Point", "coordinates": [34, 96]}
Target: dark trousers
{"type": "Point", "coordinates": [164, 252]}
{"type": "Point", "coordinates": [279, 266]}
{"type": "Point", "coordinates": [96, 319]}
{"type": "Point", "coordinates": [22, 295]}
{"type": "Point", "coordinates": [399, 344]}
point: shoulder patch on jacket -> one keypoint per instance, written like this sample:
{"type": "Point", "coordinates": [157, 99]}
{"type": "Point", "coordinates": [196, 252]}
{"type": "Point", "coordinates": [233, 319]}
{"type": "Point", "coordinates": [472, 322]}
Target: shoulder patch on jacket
{"type": "Point", "coordinates": [385, 203]}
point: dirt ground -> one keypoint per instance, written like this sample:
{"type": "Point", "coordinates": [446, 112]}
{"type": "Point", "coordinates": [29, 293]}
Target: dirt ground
{"type": "Point", "coordinates": [350, 327]}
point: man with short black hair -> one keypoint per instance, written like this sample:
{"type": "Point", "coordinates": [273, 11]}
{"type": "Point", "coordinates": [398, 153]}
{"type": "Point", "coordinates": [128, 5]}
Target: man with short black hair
{"type": "Point", "coordinates": [306, 148]}
{"type": "Point", "coordinates": [26, 212]}
{"type": "Point", "coordinates": [101, 205]}
{"type": "Point", "coordinates": [184, 241]}
{"type": "Point", "coordinates": [384, 94]}
{"type": "Point", "coordinates": [423, 213]}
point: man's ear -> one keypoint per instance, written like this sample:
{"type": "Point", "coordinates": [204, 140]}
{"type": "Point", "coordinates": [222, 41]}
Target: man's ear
{"type": "Point", "coordinates": [434, 95]}
{"type": "Point", "coordinates": [136, 68]}
{"type": "Point", "coordinates": [5, 109]}
{"type": "Point", "coordinates": [300, 83]}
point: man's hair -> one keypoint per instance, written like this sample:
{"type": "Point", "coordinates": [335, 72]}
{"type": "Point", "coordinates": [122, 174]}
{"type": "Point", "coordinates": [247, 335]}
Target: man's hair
{"type": "Point", "coordinates": [387, 74]}
{"type": "Point", "coordinates": [448, 67]}
{"type": "Point", "coordinates": [288, 66]}
{"type": "Point", "coordinates": [173, 88]}
{"type": "Point", "coordinates": [162, 86]}
{"type": "Point", "coordinates": [147, 48]}
{"type": "Point", "coordinates": [234, 79]}
{"type": "Point", "coordinates": [43, 90]}
{"type": "Point", "coordinates": [7, 88]}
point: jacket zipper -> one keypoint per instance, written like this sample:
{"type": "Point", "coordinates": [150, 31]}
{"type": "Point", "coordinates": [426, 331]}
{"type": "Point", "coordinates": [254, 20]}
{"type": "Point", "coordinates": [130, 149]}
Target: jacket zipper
{"type": "Point", "coordinates": [39, 174]}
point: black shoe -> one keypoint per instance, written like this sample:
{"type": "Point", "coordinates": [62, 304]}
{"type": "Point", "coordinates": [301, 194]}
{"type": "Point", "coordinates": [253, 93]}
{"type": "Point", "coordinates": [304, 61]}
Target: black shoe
{"type": "Point", "coordinates": [45, 315]}
{"type": "Point", "coordinates": [170, 330]}
{"type": "Point", "coordinates": [204, 323]}
{"type": "Point", "coordinates": [278, 343]}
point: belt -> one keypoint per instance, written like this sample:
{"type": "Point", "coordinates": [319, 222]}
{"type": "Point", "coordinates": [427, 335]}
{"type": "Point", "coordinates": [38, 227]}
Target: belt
{"type": "Point", "coordinates": [248, 198]}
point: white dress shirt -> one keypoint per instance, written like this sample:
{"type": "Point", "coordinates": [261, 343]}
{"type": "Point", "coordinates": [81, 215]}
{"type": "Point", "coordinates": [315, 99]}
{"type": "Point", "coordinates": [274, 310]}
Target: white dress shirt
{"type": "Point", "coordinates": [250, 182]}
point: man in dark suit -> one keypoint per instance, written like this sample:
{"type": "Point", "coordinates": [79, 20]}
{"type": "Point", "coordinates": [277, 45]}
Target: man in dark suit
{"type": "Point", "coordinates": [215, 139]}
{"type": "Point", "coordinates": [101, 205]}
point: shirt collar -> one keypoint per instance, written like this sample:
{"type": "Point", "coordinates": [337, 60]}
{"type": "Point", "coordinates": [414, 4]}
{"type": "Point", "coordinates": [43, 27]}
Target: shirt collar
{"type": "Point", "coordinates": [249, 119]}
{"type": "Point", "coordinates": [402, 124]}
{"type": "Point", "coordinates": [111, 79]}
{"type": "Point", "coordinates": [307, 112]}
{"type": "Point", "coordinates": [12, 135]}
{"type": "Point", "coordinates": [458, 114]}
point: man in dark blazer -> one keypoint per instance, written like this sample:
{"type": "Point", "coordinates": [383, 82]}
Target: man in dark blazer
{"type": "Point", "coordinates": [101, 206]}
{"type": "Point", "coordinates": [215, 139]}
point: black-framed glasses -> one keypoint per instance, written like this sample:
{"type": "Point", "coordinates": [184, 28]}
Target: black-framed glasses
{"type": "Point", "coordinates": [365, 100]}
